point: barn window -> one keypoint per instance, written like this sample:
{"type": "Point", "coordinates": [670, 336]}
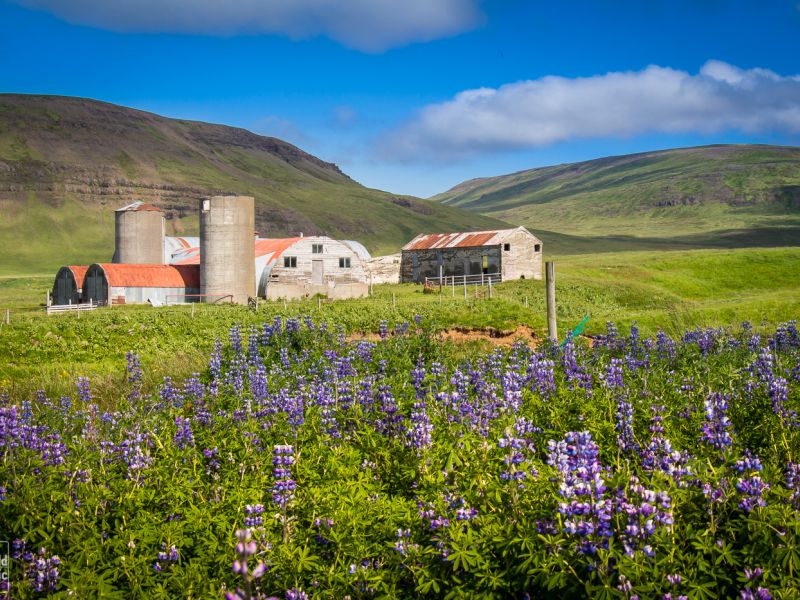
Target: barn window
{"type": "Point", "coordinates": [507, 247]}
{"type": "Point", "coordinates": [344, 262]}
{"type": "Point", "coordinates": [290, 261]}
{"type": "Point", "coordinates": [316, 248]}
{"type": "Point", "coordinates": [537, 247]}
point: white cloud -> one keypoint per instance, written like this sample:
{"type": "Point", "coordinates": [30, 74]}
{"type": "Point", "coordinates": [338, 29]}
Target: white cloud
{"type": "Point", "coordinates": [529, 114]}
{"type": "Point", "coordinates": [368, 25]}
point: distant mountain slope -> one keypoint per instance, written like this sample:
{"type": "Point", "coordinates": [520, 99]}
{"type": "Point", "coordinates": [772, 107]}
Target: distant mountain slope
{"type": "Point", "coordinates": [67, 163]}
{"type": "Point", "coordinates": [710, 196]}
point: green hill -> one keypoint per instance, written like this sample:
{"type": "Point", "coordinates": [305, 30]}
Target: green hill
{"type": "Point", "coordinates": [67, 163]}
{"type": "Point", "coordinates": [705, 197]}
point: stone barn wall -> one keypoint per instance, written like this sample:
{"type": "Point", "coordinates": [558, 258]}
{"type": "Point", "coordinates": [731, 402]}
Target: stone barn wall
{"type": "Point", "coordinates": [416, 265]}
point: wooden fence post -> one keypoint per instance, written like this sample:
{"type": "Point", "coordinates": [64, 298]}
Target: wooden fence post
{"type": "Point", "coordinates": [550, 277]}
{"type": "Point", "coordinates": [8, 316]}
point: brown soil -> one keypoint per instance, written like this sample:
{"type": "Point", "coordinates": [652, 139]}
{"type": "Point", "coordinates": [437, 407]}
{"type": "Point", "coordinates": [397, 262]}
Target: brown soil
{"type": "Point", "coordinates": [464, 334]}
{"type": "Point", "coordinates": [493, 336]}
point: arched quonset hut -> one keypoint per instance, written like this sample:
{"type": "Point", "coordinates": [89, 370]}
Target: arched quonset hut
{"type": "Point", "coordinates": [298, 267]}
{"type": "Point", "coordinates": [67, 285]}
{"type": "Point", "coordinates": [302, 266]}
{"type": "Point", "coordinates": [110, 283]}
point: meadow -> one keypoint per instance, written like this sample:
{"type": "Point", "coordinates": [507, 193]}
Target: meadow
{"type": "Point", "coordinates": [325, 450]}
{"type": "Point", "coordinates": [301, 464]}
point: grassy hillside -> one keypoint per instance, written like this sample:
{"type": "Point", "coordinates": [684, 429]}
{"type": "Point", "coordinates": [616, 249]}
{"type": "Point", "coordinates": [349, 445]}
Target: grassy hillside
{"type": "Point", "coordinates": [67, 163]}
{"type": "Point", "coordinates": [712, 196]}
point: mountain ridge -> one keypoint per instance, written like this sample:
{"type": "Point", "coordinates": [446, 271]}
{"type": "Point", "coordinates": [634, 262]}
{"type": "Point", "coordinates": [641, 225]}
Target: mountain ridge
{"type": "Point", "coordinates": [66, 163]}
{"type": "Point", "coordinates": [681, 193]}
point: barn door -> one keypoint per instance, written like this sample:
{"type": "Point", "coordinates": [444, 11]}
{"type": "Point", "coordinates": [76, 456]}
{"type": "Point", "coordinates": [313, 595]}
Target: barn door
{"type": "Point", "coordinates": [316, 272]}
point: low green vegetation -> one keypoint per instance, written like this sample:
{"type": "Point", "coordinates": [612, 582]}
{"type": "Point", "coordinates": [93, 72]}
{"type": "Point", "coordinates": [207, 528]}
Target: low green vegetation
{"type": "Point", "coordinates": [300, 464]}
{"type": "Point", "coordinates": [659, 291]}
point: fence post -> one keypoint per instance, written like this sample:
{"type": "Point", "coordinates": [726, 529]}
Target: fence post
{"type": "Point", "coordinates": [465, 287]}
{"type": "Point", "coordinates": [394, 301]}
{"type": "Point", "coordinates": [490, 288]}
{"type": "Point", "coordinates": [8, 316]}
{"type": "Point", "coordinates": [453, 283]}
{"type": "Point", "coordinates": [526, 302]}
{"type": "Point", "coordinates": [193, 303]}
{"type": "Point", "coordinates": [550, 277]}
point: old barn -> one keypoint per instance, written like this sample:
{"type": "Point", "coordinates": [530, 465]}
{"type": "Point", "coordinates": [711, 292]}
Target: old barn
{"type": "Point", "coordinates": [472, 257]}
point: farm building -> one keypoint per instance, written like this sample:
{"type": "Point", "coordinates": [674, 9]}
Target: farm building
{"type": "Point", "coordinates": [227, 260]}
{"type": "Point", "coordinates": [473, 257]}
{"type": "Point", "coordinates": [67, 285]}
{"type": "Point", "coordinates": [383, 269]}
{"type": "Point", "coordinates": [112, 283]}
{"type": "Point", "coordinates": [303, 266]}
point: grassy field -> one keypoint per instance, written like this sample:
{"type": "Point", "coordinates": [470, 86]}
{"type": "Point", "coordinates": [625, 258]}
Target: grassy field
{"type": "Point", "coordinates": [670, 291]}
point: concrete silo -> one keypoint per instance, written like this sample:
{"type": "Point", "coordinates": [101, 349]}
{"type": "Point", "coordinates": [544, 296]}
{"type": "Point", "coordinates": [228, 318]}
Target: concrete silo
{"type": "Point", "coordinates": [139, 230]}
{"type": "Point", "coordinates": [227, 248]}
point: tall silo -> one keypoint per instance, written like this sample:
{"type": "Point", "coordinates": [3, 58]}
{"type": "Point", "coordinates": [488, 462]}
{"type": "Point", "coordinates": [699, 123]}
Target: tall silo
{"type": "Point", "coordinates": [227, 248]}
{"type": "Point", "coordinates": [139, 230]}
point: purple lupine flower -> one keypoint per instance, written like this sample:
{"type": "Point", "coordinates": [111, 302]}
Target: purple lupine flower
{"type": "Point", "coordinates": [760, 593]}
{"type": "Point", "coordinates": [586, 510]}
{"type": "Point", "coordinates": [253, 515]}
{"type": "Point", "coordinates": [624, 425]}
{"type": "Point", "coordinates": [40, 569]}
{"type": "Point", "coordinates": [212, 461]}
{"type": "Point", "coordinates": [750, 462]}
{"type": "Point", "coordinates": [134, 375]}
{"type": "Point", "coordinates": [284, 486]}
{"type": "Point", "coordinates": [715, 428]}
{"type": "Point", "coordinates": [752, 489]}
{"type": "Point", "coordinates": [539, 375]}
{"type": "Point", "coordinates": [183, 433]}
{"type": "Point", "coordinates": [84, 393]}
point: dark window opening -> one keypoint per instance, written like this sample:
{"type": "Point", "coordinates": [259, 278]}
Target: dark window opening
{"type": "Point", "coordinates": [316, 248]}
{"type": "Point", "coordinates": [344, 262]}
{"type": "Point", "coordinates": [537, 248]}
{"type": "Point", "coordinates": [290, 261]}
{"type": "Point", "coordinates": [507, 247]}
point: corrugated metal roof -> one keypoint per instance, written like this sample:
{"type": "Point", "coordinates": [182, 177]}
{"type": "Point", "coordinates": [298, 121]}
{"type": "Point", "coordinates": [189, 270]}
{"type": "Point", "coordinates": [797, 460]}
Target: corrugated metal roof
{"type": "Point", "coordinates": [262, 247]}
{"type": "Point", "coordinates": [468, 239]}
{"type": "Point", "coordinates": [139, 206]}
{"type": "Point", "coordinates": [166, 276]}
{"type": "Point", "coordinates": [358, 248]}
{"type": "Point", "coordinates": [427, 241]}
{"type": "Point", "coordinates": [79, 272]}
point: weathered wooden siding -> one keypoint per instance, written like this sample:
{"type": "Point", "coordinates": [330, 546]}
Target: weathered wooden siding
{"type": "Point", "coordinates": [416, 265]}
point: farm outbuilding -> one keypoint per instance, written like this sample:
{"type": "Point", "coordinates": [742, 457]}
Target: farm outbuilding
{"type": "Point", "coordinates": [303, 266]}
{"type": "Point", "coordinates": [111, 283]}
{"type": "Point", "coordinates": [68, 284]}
{"type": "Point", "coordinates": [472, 257]}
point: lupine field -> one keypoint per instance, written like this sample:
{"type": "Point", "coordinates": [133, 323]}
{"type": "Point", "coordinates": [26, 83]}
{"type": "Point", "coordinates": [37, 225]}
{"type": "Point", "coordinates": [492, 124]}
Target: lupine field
{"type": "Point", "coordinates": [304, 464]}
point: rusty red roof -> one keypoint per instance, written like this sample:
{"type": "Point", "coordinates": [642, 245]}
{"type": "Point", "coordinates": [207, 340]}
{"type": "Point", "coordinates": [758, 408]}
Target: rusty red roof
{"type": "Point", "coordinates": [262, 247]}
{"type": "Point", "coordinates": [164, 276]}
{"type": "Point", "coordinates": [427, 241]}
{"type": "Point", "coordinates": [78, 271]}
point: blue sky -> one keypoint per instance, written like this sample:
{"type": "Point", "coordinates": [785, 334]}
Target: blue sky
{"type": "Point", "coordinates": [414, 96]}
